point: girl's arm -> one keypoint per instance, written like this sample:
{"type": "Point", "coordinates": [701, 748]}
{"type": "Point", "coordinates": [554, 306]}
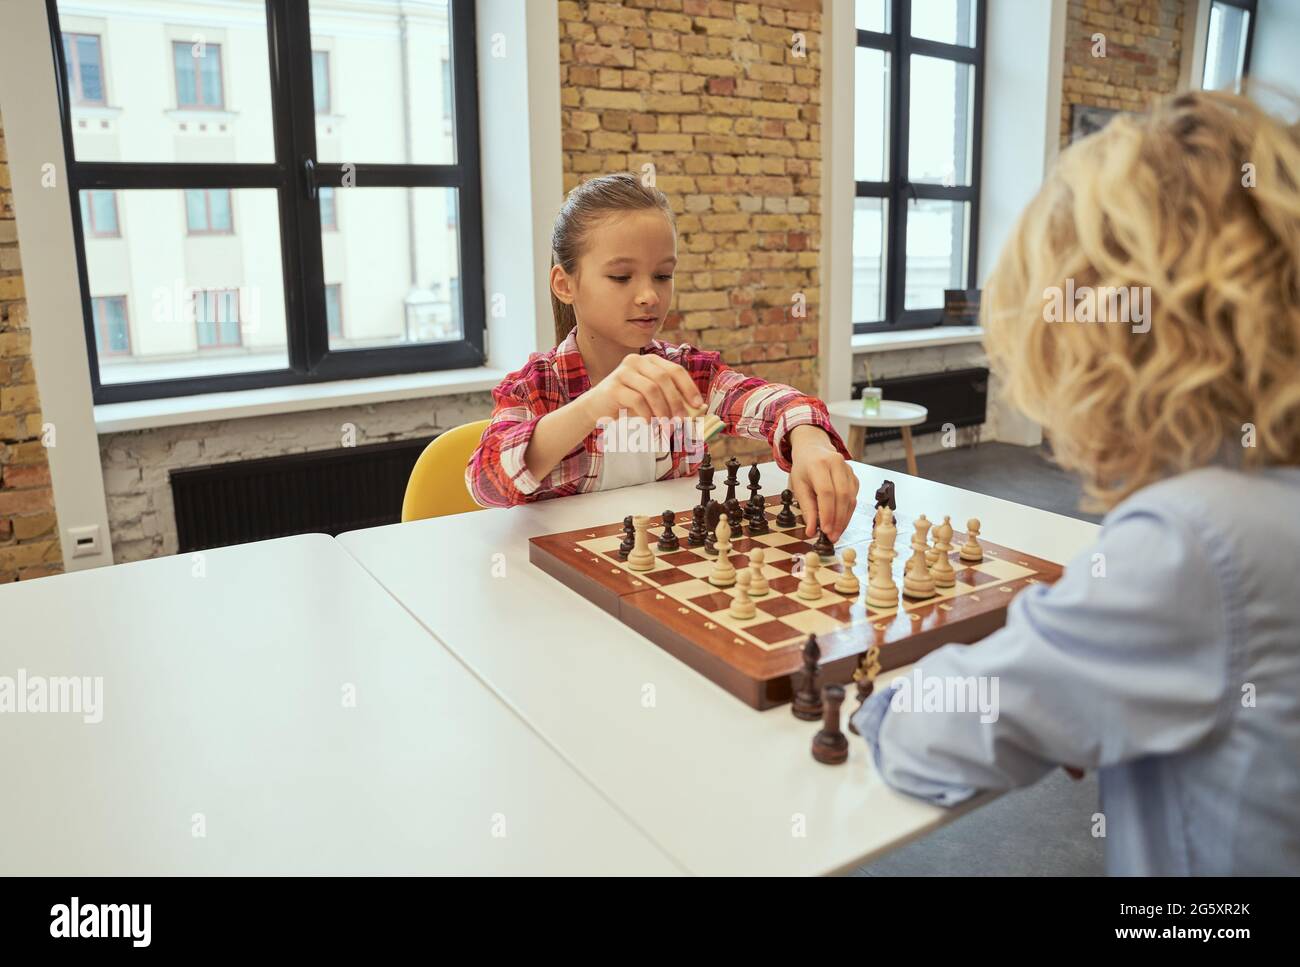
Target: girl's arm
{"type": "Point", "coordinates": [1126, 656]}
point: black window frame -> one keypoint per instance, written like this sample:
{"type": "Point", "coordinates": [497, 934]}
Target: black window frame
{"type": "Point", "coordinates": [896, 189]}
{"type": "Point", "coordinates": [295, 175]}
{"type": "Point", "coordinates": [1251, 8]}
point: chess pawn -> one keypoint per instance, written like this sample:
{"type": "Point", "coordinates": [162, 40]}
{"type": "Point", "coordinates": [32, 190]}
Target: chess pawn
{"type": "Point", "coordinates": [786, 516]}
{"type": "Point", "coordinates": [971, 550]}
{"type": "Point", "coordinates": [757, 582]}
{"type": "Point", "coordinates": [742, 608]}
{"type": "Point", "coordinates": [668, 540]}
{"type": "Point", "coordinates": [847, 582]}
{"type": "Point", "coordinates": [917, 580]}
{"type": "Point", "coordinates": [829, 746]}
{"type": "Point", "coordinates": [810, 589]}
{"type": "Point", "coordinates": [641, 558]}
{"type": "Point", "coordinates": [942, 572]}
{"type": "Point", "coordinates": [724, 573]}
{"type": "Point", "coordinates": [629, 538]}
{"type": "Point", "coordinates": [695, 537]}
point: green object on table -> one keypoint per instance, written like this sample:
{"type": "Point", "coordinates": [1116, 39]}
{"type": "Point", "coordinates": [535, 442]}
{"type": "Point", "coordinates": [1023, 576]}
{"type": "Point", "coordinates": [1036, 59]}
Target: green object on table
{"type": "Point", "coordinates": [871, 401]}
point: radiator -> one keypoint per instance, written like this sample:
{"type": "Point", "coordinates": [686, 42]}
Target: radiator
{"type": "Point", "coordinates": [959, 397]}
{"type": "Point", "coordinates": [325, 492]}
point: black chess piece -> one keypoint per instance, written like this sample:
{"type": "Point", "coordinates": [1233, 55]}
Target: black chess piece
{"type": "Point", "coordinates": [735, 517]}
{"type": "Point", "coordinates": [733, 478]}
{"type": "Point", "coordinates": [807, 704]}
{"type": "Point", "coordinates": [786, 517]}
{"type": "Point", "coordinates": [668, 540]}
{"type": "Point", "coordinates": [706, 486]}
{"type": "Point", "coordinates": [695, 536]}
{"type": "Point", "coordinates": [823, 545]}
{"type": "Point", "coordinates": [865, 686]}
{"type": "Point", "coordinates": [711, 519]}
{"type": "Point", "coordinates": [629, 538]}
{"type": "Point", "coordinates": [756, 509]}
{"type": "Point", "coordinates": [885, 496]}
{"type": "Point", "coordinates": [829, 745]}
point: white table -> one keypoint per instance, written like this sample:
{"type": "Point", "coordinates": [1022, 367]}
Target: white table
{"type": "Point", "coordinates": [721, 787]}
{"type": "Point", "coordinates": [224, 677]}
{"type": "Point", "coordinates": [892, 413]}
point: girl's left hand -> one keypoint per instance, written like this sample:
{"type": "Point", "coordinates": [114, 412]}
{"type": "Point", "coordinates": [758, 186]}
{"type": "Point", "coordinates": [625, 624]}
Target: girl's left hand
{"type": "Point", "coordinates": [827, 490]}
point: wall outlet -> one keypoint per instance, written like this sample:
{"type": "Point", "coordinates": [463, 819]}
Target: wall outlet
{"type": "Point", "coordinates": [85, 541]}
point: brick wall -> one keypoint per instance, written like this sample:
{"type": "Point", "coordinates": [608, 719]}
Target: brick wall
{"type": "Point", "coordinates": [29, 545]}
{"type": "Point", "coordinates": [138, 464]}
{"type": "Point", "coordinates": [1144, 40]}
{"type": "Point", "coordinates": [712, 93]}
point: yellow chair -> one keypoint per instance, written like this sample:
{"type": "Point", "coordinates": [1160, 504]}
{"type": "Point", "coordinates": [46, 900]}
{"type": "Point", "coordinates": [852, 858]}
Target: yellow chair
{"type": "Point", "coordinates": [437, 484]}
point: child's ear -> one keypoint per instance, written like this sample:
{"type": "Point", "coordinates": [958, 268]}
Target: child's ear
{"type": "Point", "coordinates": [561, 285]}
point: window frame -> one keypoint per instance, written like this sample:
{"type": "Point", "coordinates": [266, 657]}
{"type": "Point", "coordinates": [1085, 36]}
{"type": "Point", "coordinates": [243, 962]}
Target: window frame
{"type": "Point", "coordinates": [338, 290]}
{"type": "Point", "coordinates": [896, 189]}
{"type": "Point", "coordinates": [215, 295]}
{"type": "Point", "coordinates": [89, 209]}
{"type": "Point", "coordinates": [207, 214]}
{"type": "Point", "coordinates": [81, 100]}
{"type": "Point", "coordinates": [295, 175]}
{"type": "Point", "coordinates": [329, 83]}
{"type": "Point", "coordinates": [199, 105]}
{"type": "Point", "coordinates": [126, 321]}
{"type": "Point", "coordinates": [1251, 7]}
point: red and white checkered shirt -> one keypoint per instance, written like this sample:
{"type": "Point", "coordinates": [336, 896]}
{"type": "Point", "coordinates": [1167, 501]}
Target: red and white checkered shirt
{"type": "Point", "coordinates": [748, 407]}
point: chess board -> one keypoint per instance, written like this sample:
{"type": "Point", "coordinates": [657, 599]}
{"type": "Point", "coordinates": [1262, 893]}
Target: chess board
{"type": "Point", "coordinates": [674, 605]}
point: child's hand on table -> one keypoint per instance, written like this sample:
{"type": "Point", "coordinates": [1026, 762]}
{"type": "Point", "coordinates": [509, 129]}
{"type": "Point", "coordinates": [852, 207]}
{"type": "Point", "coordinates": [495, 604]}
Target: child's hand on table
{"type": "Point", "coordinates": [827, 490]}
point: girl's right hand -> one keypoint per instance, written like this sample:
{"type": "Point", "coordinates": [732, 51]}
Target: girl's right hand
{"type": "Point", "coordinates": [647, 386]}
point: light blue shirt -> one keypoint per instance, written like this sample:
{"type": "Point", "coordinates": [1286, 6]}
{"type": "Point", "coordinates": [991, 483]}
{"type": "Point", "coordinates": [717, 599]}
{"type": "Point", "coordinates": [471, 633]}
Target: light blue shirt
{"type": "Point", "coordinates": [1167, 658]}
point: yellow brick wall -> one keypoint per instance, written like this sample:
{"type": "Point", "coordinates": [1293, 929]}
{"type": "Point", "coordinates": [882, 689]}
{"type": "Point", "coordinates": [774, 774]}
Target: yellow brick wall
{"type": "Point", "coordinates": [29, 545]}
{"type": "Point", "coordinates": [713, 94]}
{"type": "Point", "coordinates": [1143, 51]}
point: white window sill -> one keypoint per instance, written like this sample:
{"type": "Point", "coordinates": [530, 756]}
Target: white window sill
{"type": "Point", "coordinates": [879, 342]}
{"type": "Point", "coordinates": [179, 410]}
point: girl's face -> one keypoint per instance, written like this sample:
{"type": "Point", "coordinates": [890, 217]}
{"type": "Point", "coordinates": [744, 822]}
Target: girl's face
{"type": "Point", "coordinates": [623, 286]}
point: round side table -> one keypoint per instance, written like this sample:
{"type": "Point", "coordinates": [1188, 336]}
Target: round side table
{"type": "Point", "coordinates": [892, 414]}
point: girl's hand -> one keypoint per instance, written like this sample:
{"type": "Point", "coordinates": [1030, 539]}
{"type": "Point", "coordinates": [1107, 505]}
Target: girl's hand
{"type": "Point", "coordinates": [827, 490]}
{"type": "Point", "coordinates": [647, 386]}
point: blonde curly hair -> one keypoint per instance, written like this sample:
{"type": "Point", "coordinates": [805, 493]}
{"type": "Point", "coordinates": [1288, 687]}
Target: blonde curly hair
{"type": "Point", "coordinates": [1199, 201]}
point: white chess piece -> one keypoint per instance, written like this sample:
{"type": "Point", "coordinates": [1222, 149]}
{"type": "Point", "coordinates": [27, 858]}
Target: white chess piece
{"type": "Point", "coordinates": [847, 582]}
{"type": "Point", "coordinates": [942, 571]}
{"type": "Point", "coordinates": [882, 592]}
{"type": "Point", "coordinates": [971, 550]}
{"type": "Point", "coordinates": [810, 589]}
{"type": "Point", "coordinates": [641, 558]}
{"type": "Point", "coordinates": [757, 582]}
{"type": "Point", "coordinates": [917, 580]}
{"type": "Point", "coordinates": [724, 573]}
{"type": "Point", "coordinates": [741, 606]}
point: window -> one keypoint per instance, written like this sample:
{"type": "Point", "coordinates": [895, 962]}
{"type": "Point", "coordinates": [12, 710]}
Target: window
{"type": "Point", "coordinates": [1227, 44]}
{"type": "Point", "coordinates": [198, 75]}
{"type": "Point", "coordinates": [85, 68]}
{"type": "Point", "coordinates": [320, 80]}
{"type": "Point", "coordinates": [99, 214]}
{"type": "Point", "coordinates": [917, 185]}
{"type": "Point", "coordinates": [416, 283]}
{"type": "Point", "coordinates": [216, 315]}
{"type": "Point", "coordinates": [329, 215]}
{"type": "Point", "coordinates": [207, 211]}
{"type": "Point", "coordinates": [112, 333]}
{"type": "Point", "coordinates": [334, 310]}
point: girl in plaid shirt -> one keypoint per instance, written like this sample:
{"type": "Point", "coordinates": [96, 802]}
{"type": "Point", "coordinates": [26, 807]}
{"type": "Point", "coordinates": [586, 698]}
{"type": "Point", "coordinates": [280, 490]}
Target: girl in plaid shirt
{"type": "Point", "coordinates": [614, 248]}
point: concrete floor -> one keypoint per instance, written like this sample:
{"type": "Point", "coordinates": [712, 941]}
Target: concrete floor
{"type": "Point", "coordinates": [1044, 829]}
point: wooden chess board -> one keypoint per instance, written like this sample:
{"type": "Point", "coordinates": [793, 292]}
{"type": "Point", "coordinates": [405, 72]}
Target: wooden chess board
{"type": "Point", "coordinates": [674, 605]}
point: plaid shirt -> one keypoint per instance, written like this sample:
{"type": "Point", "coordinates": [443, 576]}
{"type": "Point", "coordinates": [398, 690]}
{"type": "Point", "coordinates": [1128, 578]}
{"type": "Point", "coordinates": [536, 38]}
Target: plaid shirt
{"type": "Point", "coordinates": [748, 407]}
